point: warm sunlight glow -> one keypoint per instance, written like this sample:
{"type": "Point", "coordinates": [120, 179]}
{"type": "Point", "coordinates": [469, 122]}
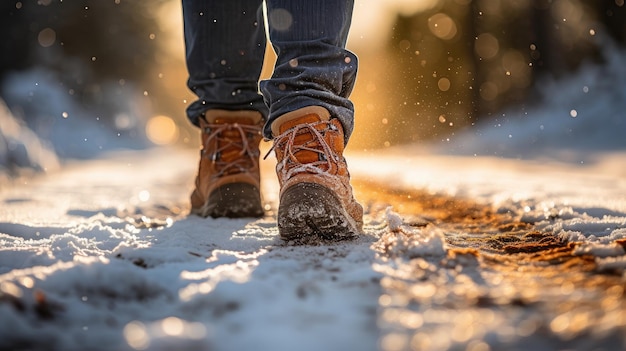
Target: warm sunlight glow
{"type": "Point", "coordinates": [162, 130]}
{"type": "Point", "coordinates": [171, 27]}
{"type": "Point", "coordinates": [373, 20]}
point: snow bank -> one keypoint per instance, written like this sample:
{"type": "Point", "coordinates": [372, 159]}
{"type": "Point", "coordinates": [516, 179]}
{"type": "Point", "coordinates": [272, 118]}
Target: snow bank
{"type": "Point", "coordinates": [20, 148]}
{"type": "Point", "coordinates": [575, 117]}
{"type": "Point", "coordinates": [48, 122]}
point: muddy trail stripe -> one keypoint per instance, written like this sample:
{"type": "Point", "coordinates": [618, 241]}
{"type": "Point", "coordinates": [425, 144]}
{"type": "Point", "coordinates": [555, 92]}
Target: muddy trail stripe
{"type": "Point", "coordinates": [498, 284]}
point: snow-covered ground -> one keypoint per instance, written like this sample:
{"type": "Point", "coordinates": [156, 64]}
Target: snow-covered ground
{"type": "Point", "coordinates": [101, 255]}
{"type": "Point", "coordinates": [120, 267]}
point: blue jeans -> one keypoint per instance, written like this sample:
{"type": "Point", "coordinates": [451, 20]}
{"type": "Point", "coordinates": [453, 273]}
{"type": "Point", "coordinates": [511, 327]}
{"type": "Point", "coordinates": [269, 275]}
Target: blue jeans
{"type": "Point", "coordinates": [225, 44]}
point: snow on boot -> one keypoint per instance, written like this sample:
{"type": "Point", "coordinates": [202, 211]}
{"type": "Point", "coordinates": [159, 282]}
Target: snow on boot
{"type": "Point", "coordinates": [315, 193]}
{"type": "Point", "coordinates": [228, 180]}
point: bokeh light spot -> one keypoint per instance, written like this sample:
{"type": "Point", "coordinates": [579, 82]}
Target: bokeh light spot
{"type": "Point", "coordinates": [136, 335]}
{"type": "Point", "coordinates": [173, 326]}
{"type": "Point", "coordinates": [280, 19]}
{"type": "Point", "coordinates": [489, 91]}
{"type": "Point", "coordinates": [47, 37]}
{"type": "Point", "coordinates": [442, 26]}
{"type": "Point", "coordinates": [486, 46]}
{"type": "Point", "coordinates": [162, 130]}
{"type": "Point", "coordinates": [444, 84]}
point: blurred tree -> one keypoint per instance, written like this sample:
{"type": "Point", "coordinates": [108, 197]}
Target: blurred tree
{"type": "Point", "coordinates": [467, 58]}
{"type": "Point", "coordinates": [116, 33]}
{"type": "Point", "coordinates": [13, 26]}
{"type": "Point", "coordinates": [84, 44]}
{"type": "Point", "coordinates": [612, 13]}
{"type": "Point", "coordinates": [82, 73]}
{"type": "Point", "coordinates": [502, 44]}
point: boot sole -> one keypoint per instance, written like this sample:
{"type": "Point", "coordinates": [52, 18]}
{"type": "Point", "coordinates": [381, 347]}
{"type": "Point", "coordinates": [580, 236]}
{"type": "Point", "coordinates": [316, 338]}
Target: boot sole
{"type": "Point", "coordinates": [234, 200]}
{"type": "Point", "coordinates": [312, 210]}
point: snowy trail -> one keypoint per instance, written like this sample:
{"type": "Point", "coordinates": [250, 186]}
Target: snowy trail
{"type": "Point", "coordinates": [102, 256]}
{"type": "Point", "coordinates": [472, 278]}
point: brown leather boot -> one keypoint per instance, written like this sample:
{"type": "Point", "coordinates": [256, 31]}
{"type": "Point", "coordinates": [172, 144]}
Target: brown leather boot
{"type": "Point", "coordinates": [315, 193]}
{"type": "Point", "coordinates": [228, 180]}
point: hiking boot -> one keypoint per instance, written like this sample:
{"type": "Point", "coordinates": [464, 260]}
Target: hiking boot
{"type": "Point", "coordinates": [228, 181]}
{"type": "Point", "coordinates": [315, 193]}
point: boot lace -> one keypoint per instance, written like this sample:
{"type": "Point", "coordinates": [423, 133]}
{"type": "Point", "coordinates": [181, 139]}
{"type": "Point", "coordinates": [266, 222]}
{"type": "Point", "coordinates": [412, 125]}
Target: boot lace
{"type": "Point", "coordinates": [248, 154]}
{"type": "Point", "coordinates": [290, 164]}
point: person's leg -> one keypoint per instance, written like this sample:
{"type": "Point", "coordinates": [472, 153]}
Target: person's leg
{"type": "Point", "coordinates": [313, 67]}
{"type": "Point", "coordinates": [225, 44]}
{"type": "Point", "coordinates": [311, 117]}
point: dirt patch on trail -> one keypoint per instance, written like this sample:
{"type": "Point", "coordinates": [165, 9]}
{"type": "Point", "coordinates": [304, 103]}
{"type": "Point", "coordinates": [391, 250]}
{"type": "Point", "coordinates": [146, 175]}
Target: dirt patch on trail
{"type": "Point", "coordinates": [502, 284]}
{"type": "Point", "coordinates": [468, 224]}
